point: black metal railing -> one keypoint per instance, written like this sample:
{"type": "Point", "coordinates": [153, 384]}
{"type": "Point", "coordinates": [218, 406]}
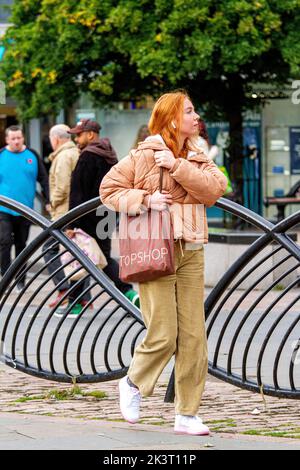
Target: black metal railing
{"type": "Point", "coordinates": [252, 313]}
{"type": "Point", "coordinates": [95, 346]}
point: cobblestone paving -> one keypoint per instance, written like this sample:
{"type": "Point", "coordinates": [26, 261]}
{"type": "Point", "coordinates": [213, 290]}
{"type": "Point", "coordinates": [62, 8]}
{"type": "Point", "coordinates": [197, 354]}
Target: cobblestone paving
{"type": "Point", "coordinates": [225, 408]}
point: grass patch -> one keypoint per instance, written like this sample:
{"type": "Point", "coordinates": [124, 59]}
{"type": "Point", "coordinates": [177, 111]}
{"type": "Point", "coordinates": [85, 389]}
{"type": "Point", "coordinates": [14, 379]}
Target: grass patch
{"type": "Point", "coordinates": [26, 399]}
{"type": "Point", "coordinates": [278, 287]}
{"type": "Point", "coordinates": [222, 421]}
{"type": "Point", "coordinates": [75, 392]}
{"type": "Point", "coordinates": [96, 394]}
{"type": "Point", "coordinates": [113, 420]}
{"type": "Point", "coordinates": [221, 425]}
{"type": "Point", "coordinates": [154, 423]}
{"type": "Point", "coordinates": [61, 395]}
{"type": "Point", "coordinates": [293, 433]}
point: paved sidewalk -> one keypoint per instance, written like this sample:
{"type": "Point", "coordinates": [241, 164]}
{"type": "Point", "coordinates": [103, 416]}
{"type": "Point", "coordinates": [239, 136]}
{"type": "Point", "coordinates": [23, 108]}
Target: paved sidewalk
{"type": "Point", "coordinates": [36, 432]}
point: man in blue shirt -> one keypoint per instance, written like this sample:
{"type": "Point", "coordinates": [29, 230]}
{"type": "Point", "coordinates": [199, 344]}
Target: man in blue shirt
{"type": "Point", "coordinates": [20, 170]}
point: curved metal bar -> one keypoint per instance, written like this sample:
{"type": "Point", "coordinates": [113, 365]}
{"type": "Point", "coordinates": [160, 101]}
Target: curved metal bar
{"type": "Point", "coordinates": [121, 342]}
{"type": "Point", "coordinates": [108, 341]}
{"type": "Point", "coordinates": [248, 313]}
{"type": "Point", "coordinates": [75, 323]}
{"type": "Point", "coordinates": [43, 330]}
{"type": "Point", "coordinates": [255, 329]}
{"type": "Point", "coordinates": [25, 211]}
{"type": "Point", "coordinates": [280, 349]}
{"type": "Point", "coordinates": [25, 308]}
{"type": "Point", "coordinates": [134, 341]}
{"type": "Point", "coordinates": [292, 364]}
{"type": "Point", "coordinates": [245, 214]}
{"type": "Point", "coordinates": [98, 333]}
{"type": "Point", "coordinates": [62, 320]}
{"type": "Point", "coordinates": [234, 270]}
{"type": "Point", "coordinates": [85, 308]}
{"type": "Point", "coordinates": [236, 285]}
{"type": "Point", "coordinates": [229, 318]}
{"type": "Point", "coordinates": [83, 335]}
{"type": "Point", "coordinates": [35, 315]}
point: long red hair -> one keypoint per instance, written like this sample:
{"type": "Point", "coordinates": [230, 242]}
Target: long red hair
{"type": "Point", "coordinates": [168, 110]}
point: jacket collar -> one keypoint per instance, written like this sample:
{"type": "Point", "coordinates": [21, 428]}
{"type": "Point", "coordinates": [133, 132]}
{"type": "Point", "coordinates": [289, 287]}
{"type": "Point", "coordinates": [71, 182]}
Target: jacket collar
{"type": "Point", "coordinates": [65, 146]}
{"type": "Point", "coordinates": [156, 142]}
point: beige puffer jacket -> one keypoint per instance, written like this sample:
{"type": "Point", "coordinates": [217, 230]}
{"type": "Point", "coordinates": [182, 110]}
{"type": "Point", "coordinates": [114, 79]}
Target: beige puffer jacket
{"type": "Point", "coordinates": [63, 163]}
{"type": "Point", "coordinates": [194, 183]}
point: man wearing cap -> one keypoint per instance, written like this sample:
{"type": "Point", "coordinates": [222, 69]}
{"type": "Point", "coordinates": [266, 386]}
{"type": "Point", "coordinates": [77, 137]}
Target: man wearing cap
{"type": "Point", "coordinates": [96, 158]}
{"type": "Point", "coordinates": [63, 162]}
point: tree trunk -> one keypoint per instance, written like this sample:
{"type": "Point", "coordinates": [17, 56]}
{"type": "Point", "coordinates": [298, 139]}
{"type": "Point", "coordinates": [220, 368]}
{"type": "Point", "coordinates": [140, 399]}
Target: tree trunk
{"type": "Point", "coordinates": [234, 114]}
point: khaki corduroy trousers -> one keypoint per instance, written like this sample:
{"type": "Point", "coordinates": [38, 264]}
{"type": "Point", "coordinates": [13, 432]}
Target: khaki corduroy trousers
{"type": "Point", "coordinates": [173, 312]}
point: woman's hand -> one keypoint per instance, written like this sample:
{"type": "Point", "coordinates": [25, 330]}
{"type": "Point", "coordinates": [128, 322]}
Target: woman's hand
{"type": "Point", "coordinates": [165, 159]}
{"type": "Point", "coordinates": [158, 201]}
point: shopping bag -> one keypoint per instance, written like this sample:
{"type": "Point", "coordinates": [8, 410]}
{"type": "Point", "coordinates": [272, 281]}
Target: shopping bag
{"type": "Point", "coordinates": [90, 248]}
{"type": "Point", "coordinates": [146, 243]}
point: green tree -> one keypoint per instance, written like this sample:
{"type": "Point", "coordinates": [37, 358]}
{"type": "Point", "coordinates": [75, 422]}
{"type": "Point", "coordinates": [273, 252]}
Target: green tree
{"type": "Point", "coordinates": [126, 49]}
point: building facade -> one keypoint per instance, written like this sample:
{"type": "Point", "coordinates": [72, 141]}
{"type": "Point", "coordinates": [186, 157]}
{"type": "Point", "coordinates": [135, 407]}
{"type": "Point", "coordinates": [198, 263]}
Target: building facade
{"type": "Point", "coordinates": [271, 144]}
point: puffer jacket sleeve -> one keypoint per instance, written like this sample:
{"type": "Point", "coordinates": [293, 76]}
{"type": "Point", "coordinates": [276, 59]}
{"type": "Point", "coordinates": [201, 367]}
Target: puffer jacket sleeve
{"type": "Point", "coordinates": [117, 190]}
{"type": "Point", "coordinates": [205, 183]}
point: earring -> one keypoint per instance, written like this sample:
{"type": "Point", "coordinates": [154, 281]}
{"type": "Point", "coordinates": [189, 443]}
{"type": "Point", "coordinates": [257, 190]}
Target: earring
{"type": "Point", "coordinates": [173, 124]}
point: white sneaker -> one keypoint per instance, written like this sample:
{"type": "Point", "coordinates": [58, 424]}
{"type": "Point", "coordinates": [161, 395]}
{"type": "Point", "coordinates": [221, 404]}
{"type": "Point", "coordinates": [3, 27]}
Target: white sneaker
{"type": "Point", "coordinates": [130, 398]}
{"type": "Point", "coordinates": [190, 425]}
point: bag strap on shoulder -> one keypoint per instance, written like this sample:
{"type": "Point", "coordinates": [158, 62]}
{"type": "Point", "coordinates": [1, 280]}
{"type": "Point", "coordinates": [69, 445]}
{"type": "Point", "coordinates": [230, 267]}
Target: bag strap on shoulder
{"type": "Point", "coordinates": [161, 180]}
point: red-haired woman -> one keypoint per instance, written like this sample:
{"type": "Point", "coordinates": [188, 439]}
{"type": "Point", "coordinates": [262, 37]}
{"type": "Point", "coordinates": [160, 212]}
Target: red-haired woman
{"type": "Point", "coordinates": [172, 306]}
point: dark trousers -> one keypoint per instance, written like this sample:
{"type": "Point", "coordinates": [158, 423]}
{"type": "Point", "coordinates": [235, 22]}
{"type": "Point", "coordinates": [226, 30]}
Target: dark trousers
{"type": "Point", "coordinates": [56, 264]}
{"type": "Point", "coordinates": [111, 270]}
{"type": "Point", "coordinates": [51, 251]}
{"type": "Point", "coordinates": [14, 230]}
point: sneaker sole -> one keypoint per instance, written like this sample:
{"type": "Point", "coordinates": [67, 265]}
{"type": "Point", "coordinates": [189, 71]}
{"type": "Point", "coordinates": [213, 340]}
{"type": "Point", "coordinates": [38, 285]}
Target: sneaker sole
{"type": "Point", "coordinates": [56, 303]}
{"type": "Point", "coordinates": [190, 433]}
{"type": "Point", "coordinates": [60, 315]}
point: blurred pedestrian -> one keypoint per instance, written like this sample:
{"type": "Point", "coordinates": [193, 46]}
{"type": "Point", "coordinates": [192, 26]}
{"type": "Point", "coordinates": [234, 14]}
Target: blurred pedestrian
{"type": "Point", "coordinates": [142, 134]}
{"type": "Point", "coordinates": [97, 157]}
{"type": "Point", "coordinates": [212, 151]}
{"type": "Point", "coordinates": [20, 170]}
{"type": "Point", "coordinates": [204, 143]}
{"type": "Point", "coordinates": [63, 161]}
{"type": "Point", "coordinates": [172, 306]}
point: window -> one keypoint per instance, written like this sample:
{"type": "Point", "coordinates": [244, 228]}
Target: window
{"type": "Point", "coordinates": [4, 10]}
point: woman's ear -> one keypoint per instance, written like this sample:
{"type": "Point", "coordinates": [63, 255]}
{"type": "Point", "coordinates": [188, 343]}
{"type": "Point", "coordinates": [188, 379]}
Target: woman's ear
{"type": "Point", "coordinates": [173, 124]}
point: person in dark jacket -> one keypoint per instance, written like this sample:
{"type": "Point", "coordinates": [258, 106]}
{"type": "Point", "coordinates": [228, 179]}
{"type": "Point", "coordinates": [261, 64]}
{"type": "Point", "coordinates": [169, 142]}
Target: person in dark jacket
{"type": "Point", "coordinates": [96, 159]}
{"type": "Point", "coordinates": [20, 170]}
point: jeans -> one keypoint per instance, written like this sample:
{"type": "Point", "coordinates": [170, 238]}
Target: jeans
{"type": "Point", "coordinates": [56, 264]}
{"type": "Point", "coordinates": [14, 230]}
